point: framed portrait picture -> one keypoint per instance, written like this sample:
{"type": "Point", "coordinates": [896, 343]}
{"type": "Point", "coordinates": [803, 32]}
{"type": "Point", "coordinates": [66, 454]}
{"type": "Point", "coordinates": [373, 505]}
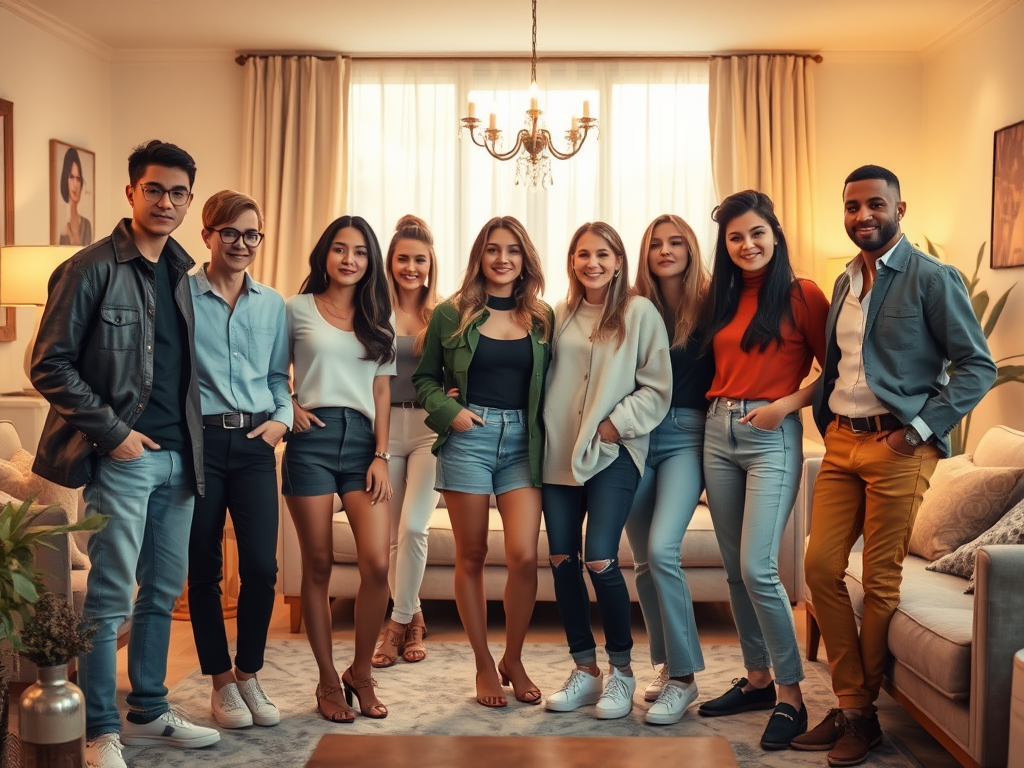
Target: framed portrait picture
{"type": "Point", "coordinates": [1008, 197]}
{"type": "Point", "coordinates": [72, 194]}
{"type": "Point", "coordinates": [8, 331]}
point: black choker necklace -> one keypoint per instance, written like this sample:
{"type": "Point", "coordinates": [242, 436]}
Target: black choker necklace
{"type": "Point", "coordinates": [502, 303]}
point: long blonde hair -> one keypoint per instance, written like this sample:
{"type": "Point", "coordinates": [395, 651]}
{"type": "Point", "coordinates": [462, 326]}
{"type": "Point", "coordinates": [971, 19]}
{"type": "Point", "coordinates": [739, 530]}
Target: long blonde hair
{"type": "Point", "coordinates": [411, 227]}
{"type": "Point", "coordinates": [683, 320]}
{"type": "Point", "coordinates": [612, 323]}
{"type": "Point", "coordinates": [471, 298]}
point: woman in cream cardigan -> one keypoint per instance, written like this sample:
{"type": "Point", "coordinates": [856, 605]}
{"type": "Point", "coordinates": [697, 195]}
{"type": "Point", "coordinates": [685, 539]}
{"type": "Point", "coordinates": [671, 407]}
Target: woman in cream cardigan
{"type": "Point", "coordinates": [609, 385]}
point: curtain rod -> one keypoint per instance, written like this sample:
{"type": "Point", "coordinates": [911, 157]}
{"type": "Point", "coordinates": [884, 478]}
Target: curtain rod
{"type": "Point", "coordinates": [242, 58]}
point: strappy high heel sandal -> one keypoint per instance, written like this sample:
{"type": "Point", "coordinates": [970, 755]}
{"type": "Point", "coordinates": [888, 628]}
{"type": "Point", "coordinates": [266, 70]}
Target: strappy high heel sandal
{"type": "Point", "coordinates": [414, 649]}
{"type": "Point", "coordinates": [337, 712]}
{"type": "Point", "coordinates": [352, 688]}
{"type": "Point", "coordinates": [495, 702]}
{"type": "Point", "coordinates": [530, 695]}
{"type": "Point", "coordinates": [391, 646]}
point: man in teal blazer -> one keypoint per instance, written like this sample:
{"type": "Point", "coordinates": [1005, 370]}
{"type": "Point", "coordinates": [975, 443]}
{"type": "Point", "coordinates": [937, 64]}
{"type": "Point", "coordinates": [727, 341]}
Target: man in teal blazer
{"type": "Point", "coordinates": [885, 406]}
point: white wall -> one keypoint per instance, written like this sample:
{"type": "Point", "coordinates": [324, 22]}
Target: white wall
{"type": "Point", "coordinates": [971, 89]}
{"type": "Point", "coordinates": [60, 90]}
{"type": "Point", "coordinates": [192, 99]}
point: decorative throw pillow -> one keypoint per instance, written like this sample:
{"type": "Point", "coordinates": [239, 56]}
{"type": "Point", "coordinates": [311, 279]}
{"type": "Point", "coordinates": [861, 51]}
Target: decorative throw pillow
{"type": "Point", "coordinates": [1009, 530]}
{"type": "Point", "coordinates": [962, 502]}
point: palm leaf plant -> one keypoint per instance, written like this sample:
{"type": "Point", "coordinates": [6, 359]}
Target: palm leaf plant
{"type": "Point", "coordinates": [988, 316]}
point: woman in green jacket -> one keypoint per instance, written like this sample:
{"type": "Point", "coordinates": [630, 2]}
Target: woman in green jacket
{"type": "Point", "coordinates": [481, 380]}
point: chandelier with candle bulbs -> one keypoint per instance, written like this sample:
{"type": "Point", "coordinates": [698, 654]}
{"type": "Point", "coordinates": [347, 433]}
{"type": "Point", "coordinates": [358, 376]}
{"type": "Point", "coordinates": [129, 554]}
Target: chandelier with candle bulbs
{"type": "Point", "coordinates": [534, 144]}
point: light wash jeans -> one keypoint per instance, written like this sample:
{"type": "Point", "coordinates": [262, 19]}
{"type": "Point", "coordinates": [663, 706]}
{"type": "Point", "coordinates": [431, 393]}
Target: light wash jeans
{"type": "Point", "coordinates": [150, 501]}
{"type": "Point", "coordinates": [752, 477]}
{"type": "Point", "coordinates": [412, 469]}
{"type": "Point", "coordinates": [662, 509]}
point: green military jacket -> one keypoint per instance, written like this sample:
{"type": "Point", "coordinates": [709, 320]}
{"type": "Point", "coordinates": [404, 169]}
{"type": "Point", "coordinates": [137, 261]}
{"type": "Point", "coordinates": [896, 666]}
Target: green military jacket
{"type": "Point", "coordinates": [445, 364]}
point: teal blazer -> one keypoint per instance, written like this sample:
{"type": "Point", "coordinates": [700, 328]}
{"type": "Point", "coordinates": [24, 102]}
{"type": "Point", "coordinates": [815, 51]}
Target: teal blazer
{"type": "Point", "coordinates": [919, 317]}
{"type": "Point", "coordinates": [445, 364]}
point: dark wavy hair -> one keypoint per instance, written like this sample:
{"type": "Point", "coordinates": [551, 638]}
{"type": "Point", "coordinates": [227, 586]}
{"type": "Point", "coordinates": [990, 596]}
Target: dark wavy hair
{"type": "Point", "coordinates": [70, 158]}
{"type": "Point", "coordinates": [372, 320]}
{"type": "Point", "coordinates": [774, 299]}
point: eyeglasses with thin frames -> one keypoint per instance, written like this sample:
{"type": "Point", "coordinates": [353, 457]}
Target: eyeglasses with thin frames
{"type": "Point", "coordinates": [154, 193]}
{"type": "Point", "coordinates": [250, 237]}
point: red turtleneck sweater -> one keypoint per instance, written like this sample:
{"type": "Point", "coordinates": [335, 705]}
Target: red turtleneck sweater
{"type": "Point", "coordinates": [779, 370]}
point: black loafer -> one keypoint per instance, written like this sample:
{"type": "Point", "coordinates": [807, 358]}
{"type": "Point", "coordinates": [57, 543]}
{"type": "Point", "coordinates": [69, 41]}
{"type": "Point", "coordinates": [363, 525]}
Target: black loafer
{"type": "Point", "coordinates": [735, 700]}
{"type": "Point", "coordinates": [784, 725]}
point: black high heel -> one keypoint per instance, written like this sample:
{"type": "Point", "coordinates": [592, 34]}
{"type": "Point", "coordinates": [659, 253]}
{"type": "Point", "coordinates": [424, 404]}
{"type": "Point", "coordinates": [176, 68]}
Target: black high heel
{"type": "Point", "coordinates": [352, 687]}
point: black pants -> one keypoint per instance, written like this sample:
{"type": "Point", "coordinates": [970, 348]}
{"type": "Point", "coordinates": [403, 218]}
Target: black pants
{"type": "Point", "coordinates": [241, 476]}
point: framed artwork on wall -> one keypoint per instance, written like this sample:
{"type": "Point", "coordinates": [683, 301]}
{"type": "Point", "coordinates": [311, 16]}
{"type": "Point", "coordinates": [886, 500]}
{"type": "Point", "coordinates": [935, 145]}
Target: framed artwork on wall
{"type": "Point", "coordinates": [8, 331]}
{"type": "Point", "coordinates": [72, 194]}
{"type": "Point", "coordinates": [1008, 197]}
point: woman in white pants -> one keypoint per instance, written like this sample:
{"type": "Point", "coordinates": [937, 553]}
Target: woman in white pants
{"type": "Point", "coordinates": [412, 272]}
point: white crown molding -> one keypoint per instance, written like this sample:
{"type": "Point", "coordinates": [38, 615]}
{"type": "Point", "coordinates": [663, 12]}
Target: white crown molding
{"type": "Point", "coordinates": [968, 26]}
{"type": "Point", "coordinates": [171, 55]}
{"type": "Point", "coordinates": [50, 23]}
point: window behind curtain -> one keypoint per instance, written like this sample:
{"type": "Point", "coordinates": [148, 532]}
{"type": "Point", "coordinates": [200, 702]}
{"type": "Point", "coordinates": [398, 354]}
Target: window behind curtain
{"type": "Point", "coordinates": [653, 156]}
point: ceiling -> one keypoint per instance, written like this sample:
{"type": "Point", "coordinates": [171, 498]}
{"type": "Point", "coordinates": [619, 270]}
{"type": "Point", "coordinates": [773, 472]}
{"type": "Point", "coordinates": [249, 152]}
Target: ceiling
{"type": "Point", "coordinates": [432, 27]}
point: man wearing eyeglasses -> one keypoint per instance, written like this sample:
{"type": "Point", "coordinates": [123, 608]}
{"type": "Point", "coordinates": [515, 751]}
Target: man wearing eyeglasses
{"type": "Point", "coordinates": [115, 358]}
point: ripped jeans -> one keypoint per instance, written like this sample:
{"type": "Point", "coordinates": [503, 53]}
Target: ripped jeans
{"type": "Point", "coordinates": [603, 502]}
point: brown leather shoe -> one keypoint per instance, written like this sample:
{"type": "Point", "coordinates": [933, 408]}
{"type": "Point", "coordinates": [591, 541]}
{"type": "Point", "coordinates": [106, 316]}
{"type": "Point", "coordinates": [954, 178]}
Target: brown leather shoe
{"type": "Point", "coordinates": [861, 735]}
{"type": "Point", "coordinates": [824, 735]}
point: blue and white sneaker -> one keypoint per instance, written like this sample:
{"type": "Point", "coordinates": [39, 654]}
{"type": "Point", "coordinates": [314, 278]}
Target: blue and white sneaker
{"type": "Point", "coordinates": [171, 729]}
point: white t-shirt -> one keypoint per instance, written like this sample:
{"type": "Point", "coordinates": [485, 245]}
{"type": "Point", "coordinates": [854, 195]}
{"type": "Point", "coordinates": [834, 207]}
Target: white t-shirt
{"type": "Point", "coordinates": [327, 361]}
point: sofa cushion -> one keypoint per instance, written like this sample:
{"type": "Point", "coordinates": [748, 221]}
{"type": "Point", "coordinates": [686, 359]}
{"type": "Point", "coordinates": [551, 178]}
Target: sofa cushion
{"type": "Point", "coordinates": [963, 501]}
{"type": "Point", "coordinates": [931, 631]}
{"type": "Point", "coordinates": [1009, 530]}
{"type": "Point", "coordinates": [1000, 447]}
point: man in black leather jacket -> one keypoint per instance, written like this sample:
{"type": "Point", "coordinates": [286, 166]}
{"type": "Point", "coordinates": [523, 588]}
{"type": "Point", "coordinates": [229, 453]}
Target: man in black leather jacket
{"type": "Point", "coordinates": [115, 359]}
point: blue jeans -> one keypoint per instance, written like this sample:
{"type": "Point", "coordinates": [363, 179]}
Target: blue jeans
{"type": "Point", "coordinates": [150, 501]}
{"type": "Point", "coordinates": [752, 477]}
{"type": "Point", "coordinates": [603, 501]}
{"type": "Point", "coordinates": [662, 509]}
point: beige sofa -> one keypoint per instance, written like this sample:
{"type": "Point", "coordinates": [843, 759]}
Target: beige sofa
{"type": "Point", "coordinates": [700, 558]}
{"type": "Point", "coordinates": [951, 662]}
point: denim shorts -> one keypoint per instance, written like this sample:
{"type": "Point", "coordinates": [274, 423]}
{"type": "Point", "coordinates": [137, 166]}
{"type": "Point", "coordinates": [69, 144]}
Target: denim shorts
{"type": "Point", "coordinates": [329, 459]}
{"type": "Point", "coordinates": [493, 457]}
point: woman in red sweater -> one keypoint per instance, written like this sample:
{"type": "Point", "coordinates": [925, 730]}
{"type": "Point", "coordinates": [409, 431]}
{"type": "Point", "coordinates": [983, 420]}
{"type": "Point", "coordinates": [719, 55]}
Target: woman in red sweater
{"type": "Point", "coordinates": [764, 327]}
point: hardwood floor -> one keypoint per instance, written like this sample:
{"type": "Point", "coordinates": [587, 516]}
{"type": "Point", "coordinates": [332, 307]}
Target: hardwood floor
{"type": "Point", "coordinates": [714, 622]}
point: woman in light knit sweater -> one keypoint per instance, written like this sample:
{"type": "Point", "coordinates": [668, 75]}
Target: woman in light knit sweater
{"type": "Point", "coordinates": [764, 327]}
{"type": "Point", "coordinates": [608, 387]}
{"type": "Point", "coordinates": [673, 276]}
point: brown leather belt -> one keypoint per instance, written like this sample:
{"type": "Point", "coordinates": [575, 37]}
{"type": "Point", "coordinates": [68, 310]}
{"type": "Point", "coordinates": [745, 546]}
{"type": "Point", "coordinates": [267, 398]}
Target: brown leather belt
{"type": "Point", "coordinates": [235, 420]}
{"type": "Point", "coordinates": [406, 405]}
{"type": "Point", "coordinates": [885, 422]}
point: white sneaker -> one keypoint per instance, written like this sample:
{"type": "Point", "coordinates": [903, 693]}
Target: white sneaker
{"type": "Point", "coordinates": [171, 729]}
{"type": "Point", "coordinates": [580, 689]}
{"type": "Point", "coordinates": [104, 752]}
{"type": "Point", "coordinates": [653, 690]}
{"type": "Point", "coordinates": [617, 699]}
{"type": "Point", "coordinates": [264, 711]}
{"type": "Point", "coordinates": [228, 708]}
{"type": "Point", "coordinates": [672, 703]}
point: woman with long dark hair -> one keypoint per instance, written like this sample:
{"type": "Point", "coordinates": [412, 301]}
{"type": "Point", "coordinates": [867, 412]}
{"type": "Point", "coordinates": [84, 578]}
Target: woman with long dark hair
{"type": "Point", "coordinates": [673, 276]}
{"type": "Point", "coordinates": [608, 387]}
{"type": "Point", "coordinates": [343, 357]}
{"type": "Point", "coordinates": [764, 327]}
{"type": "Point", "coordinates": [412, 277]}
{"type": "Point", "coordinates": [481, 381]}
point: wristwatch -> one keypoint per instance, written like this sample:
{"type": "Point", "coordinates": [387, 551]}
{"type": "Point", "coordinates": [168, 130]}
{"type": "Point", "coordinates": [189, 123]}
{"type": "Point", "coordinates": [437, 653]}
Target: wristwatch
{"type": "Point", "coordinates": [387, 456]}
{"type": "Point", "coordinates": [912, 437]}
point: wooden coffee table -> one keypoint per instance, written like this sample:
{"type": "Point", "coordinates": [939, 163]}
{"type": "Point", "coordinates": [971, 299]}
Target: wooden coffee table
{"type": "Point", "coordinates": [519, 751]}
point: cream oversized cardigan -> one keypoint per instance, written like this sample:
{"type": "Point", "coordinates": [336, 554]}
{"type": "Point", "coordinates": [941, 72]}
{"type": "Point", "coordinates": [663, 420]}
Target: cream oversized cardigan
{"type": "Point", "coordinates": [630, 384]}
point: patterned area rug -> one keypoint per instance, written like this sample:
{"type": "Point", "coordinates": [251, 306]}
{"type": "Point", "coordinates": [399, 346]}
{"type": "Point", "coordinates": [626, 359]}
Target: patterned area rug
{"type": "Point", "coordinates": [435, 696]}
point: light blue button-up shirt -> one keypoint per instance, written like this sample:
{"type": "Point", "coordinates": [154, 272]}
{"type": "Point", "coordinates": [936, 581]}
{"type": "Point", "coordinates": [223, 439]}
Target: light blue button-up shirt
{"type": "Point", "coordinates": [242, 354]}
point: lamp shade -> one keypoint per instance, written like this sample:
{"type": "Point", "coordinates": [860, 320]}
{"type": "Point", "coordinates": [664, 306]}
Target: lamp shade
{"type": "Point", "coordinates": [25, 271]}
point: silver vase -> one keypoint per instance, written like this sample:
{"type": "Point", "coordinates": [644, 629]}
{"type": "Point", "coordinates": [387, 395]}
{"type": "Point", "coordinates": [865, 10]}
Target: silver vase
{"type": "Point", "coordinates": [51, 721]}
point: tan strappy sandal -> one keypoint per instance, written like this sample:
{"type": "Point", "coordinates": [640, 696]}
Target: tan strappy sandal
{"type": "Point", "coordinates": [391, 646]}
{"type": "Point", "coordinates": [335, 711]}
{"type": "Point", "coordinates": [414, 649]}
{"type": "Point", "coordinates": [376, 710]}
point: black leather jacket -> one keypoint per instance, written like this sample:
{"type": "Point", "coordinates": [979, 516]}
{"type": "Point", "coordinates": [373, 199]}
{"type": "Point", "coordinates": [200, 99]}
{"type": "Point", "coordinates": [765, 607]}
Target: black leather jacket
{"type": "Point", "coordinates": [93, 358]}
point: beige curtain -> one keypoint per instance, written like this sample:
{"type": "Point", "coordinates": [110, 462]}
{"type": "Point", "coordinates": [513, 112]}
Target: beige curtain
{"type": "Point", "coordinates": [294, 158]}
{"type": "Point", "coordinates": [762, 137]}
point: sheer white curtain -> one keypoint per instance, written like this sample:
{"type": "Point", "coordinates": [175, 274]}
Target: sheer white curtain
{"type": "Point", "coordinates": [653, 156]}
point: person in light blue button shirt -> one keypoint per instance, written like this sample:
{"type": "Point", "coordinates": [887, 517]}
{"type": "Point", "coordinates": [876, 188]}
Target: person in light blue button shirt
{"type": "Point", "coordinates": [242, 353]}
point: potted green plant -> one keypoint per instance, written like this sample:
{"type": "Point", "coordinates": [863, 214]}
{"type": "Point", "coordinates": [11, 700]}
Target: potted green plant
{"type": "Point", "coordinates": [988, 315]}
